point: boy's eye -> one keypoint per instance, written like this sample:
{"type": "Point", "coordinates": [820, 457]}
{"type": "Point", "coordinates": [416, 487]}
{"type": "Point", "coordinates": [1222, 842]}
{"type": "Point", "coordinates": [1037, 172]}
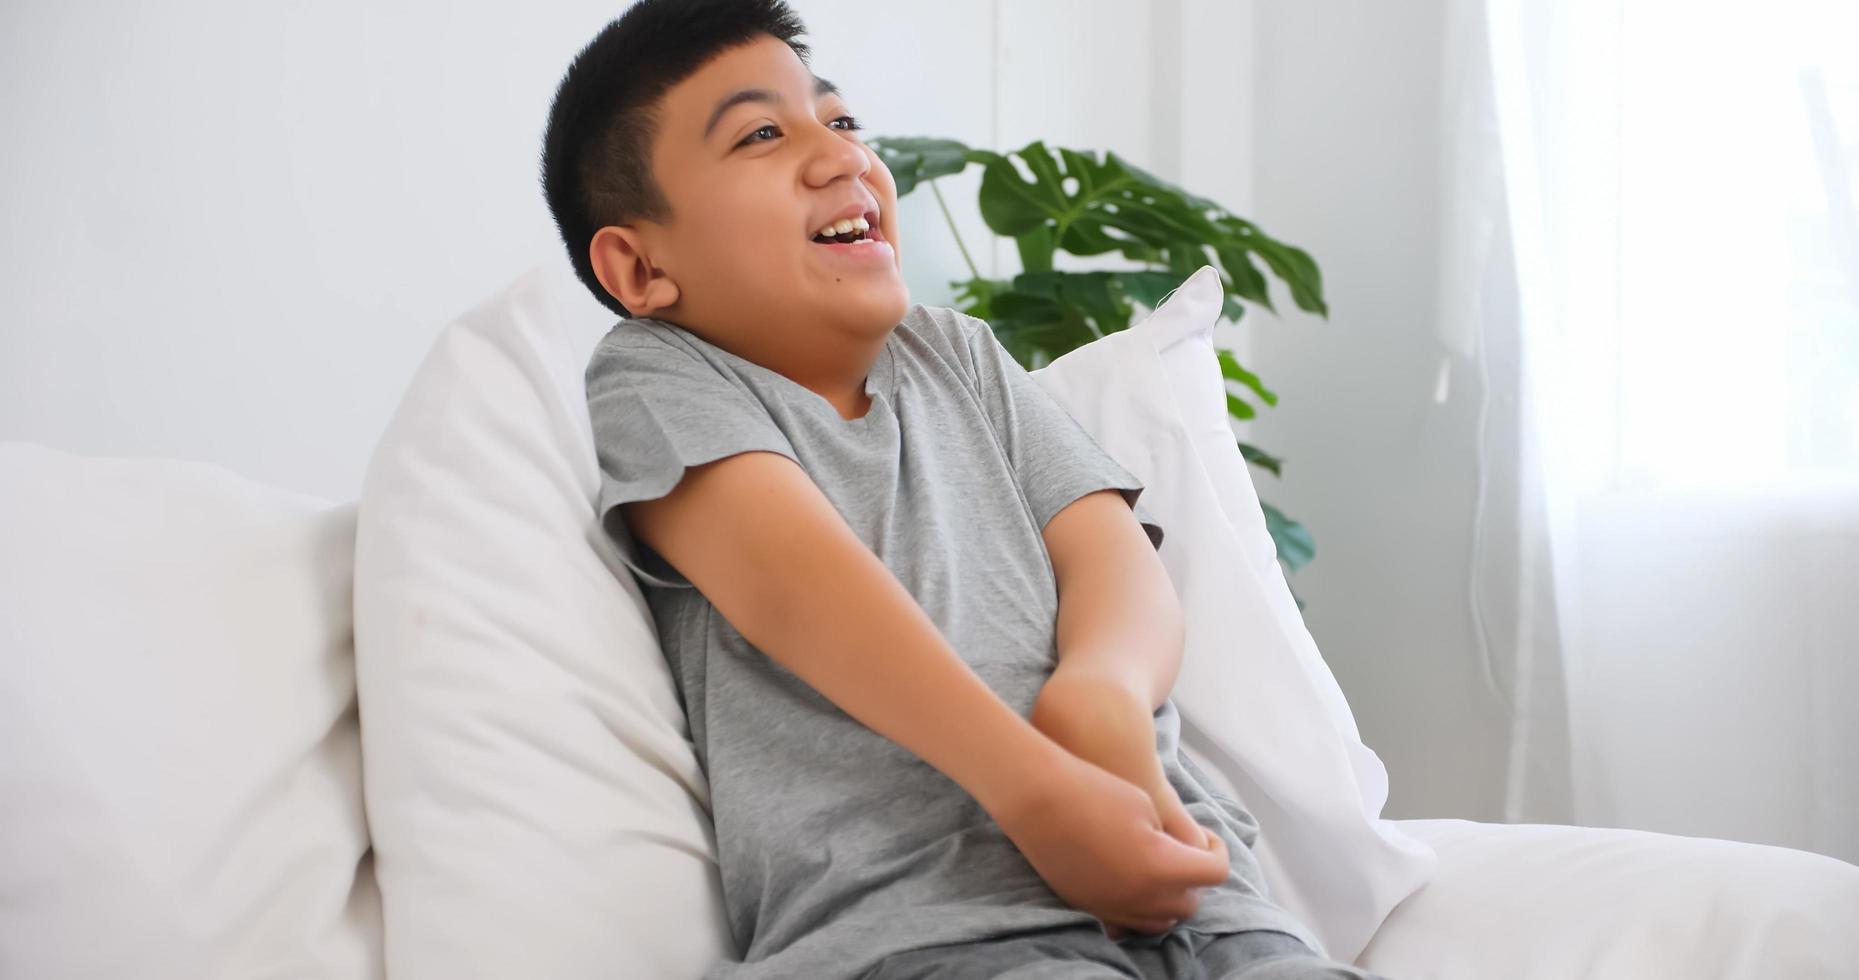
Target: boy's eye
{"type": "Point", "coordinates": [851, 124]}
{"type": "Point", "coordinates": [751, 137]}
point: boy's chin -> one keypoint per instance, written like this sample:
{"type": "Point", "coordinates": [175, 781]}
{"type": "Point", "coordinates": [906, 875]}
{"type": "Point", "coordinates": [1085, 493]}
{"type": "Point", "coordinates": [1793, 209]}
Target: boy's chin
{"type": "Point", "coordinates": [874, 304]}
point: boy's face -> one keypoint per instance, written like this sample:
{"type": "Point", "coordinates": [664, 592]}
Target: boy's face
{"type": "Point", "coordinates": [749, 186]}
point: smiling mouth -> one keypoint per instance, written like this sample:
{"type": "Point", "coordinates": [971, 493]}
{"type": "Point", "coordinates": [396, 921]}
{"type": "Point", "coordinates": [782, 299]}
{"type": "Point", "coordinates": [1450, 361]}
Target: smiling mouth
{"type": "Point", "coordinates": [861, 229]}
{"type": "Point", "coordinates": [855, 235]}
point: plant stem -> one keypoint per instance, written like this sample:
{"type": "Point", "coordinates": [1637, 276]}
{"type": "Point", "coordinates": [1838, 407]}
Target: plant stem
{"type": "Point", "coordinates": [946, 216]}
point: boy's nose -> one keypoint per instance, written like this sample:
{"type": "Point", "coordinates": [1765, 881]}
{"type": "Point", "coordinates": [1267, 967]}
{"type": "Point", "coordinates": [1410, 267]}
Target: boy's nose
{"type": "Point", "coordinates": [836, 157]}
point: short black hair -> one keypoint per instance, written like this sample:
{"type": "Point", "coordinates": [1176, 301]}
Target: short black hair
{"type": "Point", "coordinates": [597, 150]}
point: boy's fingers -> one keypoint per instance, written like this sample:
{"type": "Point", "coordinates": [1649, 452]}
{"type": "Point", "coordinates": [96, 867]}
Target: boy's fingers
{"type": "Point", "coordinates": [1181, 825]}
{"type": "Point", "coordinates": [1189, 865]}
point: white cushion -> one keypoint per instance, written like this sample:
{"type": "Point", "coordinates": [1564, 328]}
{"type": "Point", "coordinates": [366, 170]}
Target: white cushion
{"type": "Point", "coordinates": [536, 805]}
{"type": "Point", "coordinates": [535, 801]}
{"type": "Point", "coordinates": [1548, 902]}
{"type": "Point", "coordinates": [1259, 707]}
{"type": "Point", "coordinates": [1181, 331]}
{"type": "Point", "coordinates": [180, 786]}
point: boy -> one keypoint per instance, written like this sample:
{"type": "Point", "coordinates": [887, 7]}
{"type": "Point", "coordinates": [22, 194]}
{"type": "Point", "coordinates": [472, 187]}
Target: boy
{"type": "Point", "coordinates": [915, 614]}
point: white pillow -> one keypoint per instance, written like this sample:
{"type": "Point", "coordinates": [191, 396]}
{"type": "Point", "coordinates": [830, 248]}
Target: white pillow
{"type": "Point", "coordinates": [1550, 902]}
{"type": "Point", "coordinates": [536, 806]}
{"type": "Point", "coordinates": [180, 786]}
{"type": "Point", "coordinates": [1259, 707]}
{"type": "Point", "coordinates": [1181, 332]}
{"type": "Point", "coordinates": [535, 801]}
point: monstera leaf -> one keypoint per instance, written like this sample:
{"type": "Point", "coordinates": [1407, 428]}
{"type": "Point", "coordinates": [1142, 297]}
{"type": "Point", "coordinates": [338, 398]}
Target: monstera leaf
{"type": "Point", "coordinates": [913, 160]}
{"type": "Point", "coordinates": [1050, 200]}
{"type": "Point", "coordinates": [1087, 207]}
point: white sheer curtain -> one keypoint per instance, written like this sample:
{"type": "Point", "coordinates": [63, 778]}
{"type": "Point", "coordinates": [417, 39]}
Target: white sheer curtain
{"type": "Point", "coordinates": [1650, 220]}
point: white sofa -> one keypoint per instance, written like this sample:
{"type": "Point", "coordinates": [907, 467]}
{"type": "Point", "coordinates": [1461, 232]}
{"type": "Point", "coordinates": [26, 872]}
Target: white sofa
{"type": "Point", "coordinates": [184, 760]}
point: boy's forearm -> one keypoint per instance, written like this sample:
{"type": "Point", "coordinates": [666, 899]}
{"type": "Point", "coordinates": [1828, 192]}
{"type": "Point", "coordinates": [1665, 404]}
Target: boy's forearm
{"type": "Point", "coordinates": [849, 629]}
{"type": "Point", "coordinates": [1119, 616]}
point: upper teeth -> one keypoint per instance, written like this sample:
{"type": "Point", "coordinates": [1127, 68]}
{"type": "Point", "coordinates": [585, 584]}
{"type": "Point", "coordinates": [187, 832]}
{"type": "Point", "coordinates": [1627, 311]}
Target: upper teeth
{"type": "Point", "coordinates": [844, 225]}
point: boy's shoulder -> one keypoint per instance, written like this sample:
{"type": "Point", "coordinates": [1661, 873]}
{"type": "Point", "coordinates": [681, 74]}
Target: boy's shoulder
{"type": "Point", "coordinates": [947, 331]}
{"type": "Point", "coordinates": [942, 322]}
{"type": "Point", "coordinates": [661, 343]}
{"type": "Point", "coordinates": [649, 333]}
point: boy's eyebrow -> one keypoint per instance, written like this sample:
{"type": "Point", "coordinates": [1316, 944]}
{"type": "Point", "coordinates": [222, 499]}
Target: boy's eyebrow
{"type": "Point", "coordinates": [820, 87]}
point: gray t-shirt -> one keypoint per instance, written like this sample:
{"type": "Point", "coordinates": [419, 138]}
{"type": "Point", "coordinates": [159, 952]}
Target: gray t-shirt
{"type": "Point", "coordinates": [837, 846]}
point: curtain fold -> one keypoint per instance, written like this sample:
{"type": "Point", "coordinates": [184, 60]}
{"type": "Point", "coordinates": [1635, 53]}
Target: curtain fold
{"type": "Point", "coordinates": [1649, 242]}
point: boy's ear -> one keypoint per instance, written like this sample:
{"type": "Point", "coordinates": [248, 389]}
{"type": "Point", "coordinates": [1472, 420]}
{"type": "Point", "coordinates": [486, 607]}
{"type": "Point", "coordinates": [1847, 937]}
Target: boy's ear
{"type": "Point", "coordinates": [620, 263]}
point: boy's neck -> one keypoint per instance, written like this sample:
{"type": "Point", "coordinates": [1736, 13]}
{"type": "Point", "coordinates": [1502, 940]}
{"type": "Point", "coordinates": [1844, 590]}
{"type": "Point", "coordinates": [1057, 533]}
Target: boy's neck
{"type": "Point", "coordinates": [834, 368]}
{"type": "Point", "coordinates": [830, 363]}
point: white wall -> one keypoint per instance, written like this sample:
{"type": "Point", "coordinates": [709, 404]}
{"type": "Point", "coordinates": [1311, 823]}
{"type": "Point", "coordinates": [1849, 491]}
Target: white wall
{"type": "Point", "coordinates": [1346, 164]}
{"type": "Point", "coordinates": [234, 229]}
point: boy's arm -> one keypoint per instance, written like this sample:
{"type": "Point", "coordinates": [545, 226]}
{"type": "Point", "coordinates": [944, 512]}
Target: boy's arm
{"type": "Point", "coordinates": [1119, 618]}
{"type": "Point", "coordinates": [761, 541]}
{"type": "Point", "coordinates": [1120, 635]}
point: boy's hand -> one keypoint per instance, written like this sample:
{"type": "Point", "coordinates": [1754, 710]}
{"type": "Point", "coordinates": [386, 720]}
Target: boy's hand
{"type": "Point", "coordinates": [1107, 724]}
{"type": "Point", "coordinates": [1096, 840]}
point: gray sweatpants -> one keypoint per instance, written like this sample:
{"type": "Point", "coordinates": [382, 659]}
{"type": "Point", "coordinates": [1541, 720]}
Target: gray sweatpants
{"type": "Point", "coordinates": [1086, 953]}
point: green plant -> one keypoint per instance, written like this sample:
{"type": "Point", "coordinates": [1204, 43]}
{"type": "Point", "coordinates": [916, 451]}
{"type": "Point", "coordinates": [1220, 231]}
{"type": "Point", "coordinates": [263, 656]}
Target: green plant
{"type": "Point", "coordinates": [1078, 204]}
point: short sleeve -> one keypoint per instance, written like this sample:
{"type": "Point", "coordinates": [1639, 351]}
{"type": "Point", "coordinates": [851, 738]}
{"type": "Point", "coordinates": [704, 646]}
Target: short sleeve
{"type": "Point", "coordinates": [1055, 460]}
{"type": "Point", "coordinates": [657, 411]}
